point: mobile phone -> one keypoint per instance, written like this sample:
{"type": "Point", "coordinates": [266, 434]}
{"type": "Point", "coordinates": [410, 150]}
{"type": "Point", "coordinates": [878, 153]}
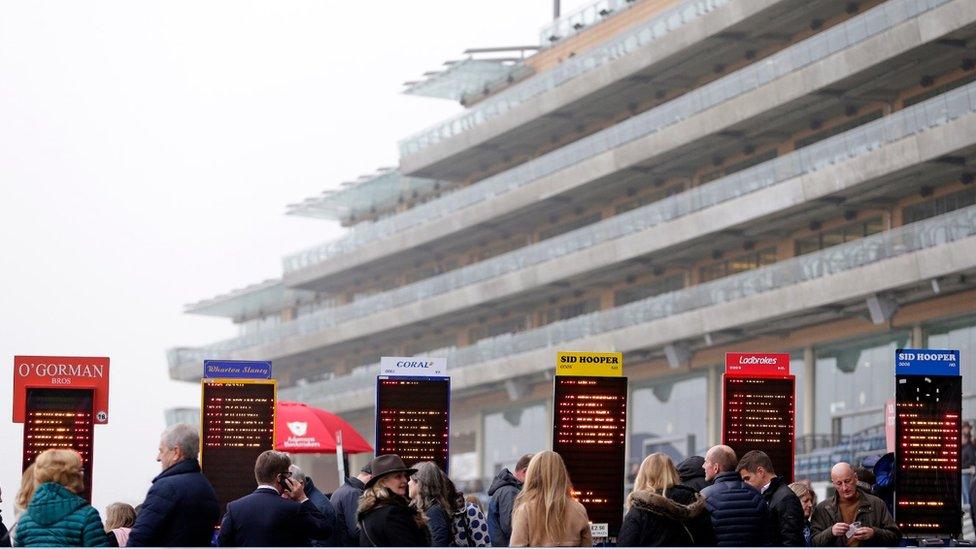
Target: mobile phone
{"type": "Point", "coordinates": [853, 529]}
{"type": "Point", "coordinates": [283, 482]}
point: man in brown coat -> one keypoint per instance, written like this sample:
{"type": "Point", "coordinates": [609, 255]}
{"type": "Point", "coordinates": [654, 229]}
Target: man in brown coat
{"type": "Point", "coordinates": [852, 518]}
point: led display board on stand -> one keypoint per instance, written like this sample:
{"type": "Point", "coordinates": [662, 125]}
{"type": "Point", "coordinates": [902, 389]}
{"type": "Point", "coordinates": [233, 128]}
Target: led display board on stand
{"type": "Point", "coordinates": [928, 402]}
{"type": "Point", "coordinates": [759, 397]}
{"type": "Point", "coordinates": [238, 418]}
{"type": "Point", "coordinates": [590, 433]}
{"type": "Point", "coordinates": [413, 418]}
{"type": "Point", "coordinates": [60, 418]}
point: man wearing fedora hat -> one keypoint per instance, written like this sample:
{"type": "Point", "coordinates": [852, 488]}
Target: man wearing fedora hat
{"type": "Point", "coordinates": [384, 515]}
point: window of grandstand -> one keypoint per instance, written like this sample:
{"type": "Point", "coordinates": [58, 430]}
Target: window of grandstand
{"type": "Point", "coordinates": [838, 235]}
{"type": "Point", "coordinates": [939, 205]}
{"type": "Point", "coordinates": [854, 380]}
{"type": "Point", "coordinates": [738, 264]}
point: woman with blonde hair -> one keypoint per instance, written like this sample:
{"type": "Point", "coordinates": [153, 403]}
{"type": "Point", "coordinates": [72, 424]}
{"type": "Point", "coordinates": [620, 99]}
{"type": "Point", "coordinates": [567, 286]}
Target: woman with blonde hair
{"type": "Point", "coordinates": [662, 511]}
{"type": "Point", "coordinates": [22, 499]}
{"type": "Point", "coordinates": [546, 515]}
{"type": "Point", "coordinates": [808, 500]}
{"type": "Point", "coordinates": [119, 518]}
{"type": "Point", "coordinates": [56, 516]}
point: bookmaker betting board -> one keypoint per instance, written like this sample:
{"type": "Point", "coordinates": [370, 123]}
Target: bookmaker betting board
{"type": "Point", "coordinates": [928, 401]}
{"type": "Point", "coordinates": [60, 418]}
{"type": "Point", "coordinates": [413, 418]}
{"type": "Point", "coordinates": [590, 433]}
{"type": "Point", "coordinates": [760, 408]}
{"type": "Point", "coordinates": [238, 424]}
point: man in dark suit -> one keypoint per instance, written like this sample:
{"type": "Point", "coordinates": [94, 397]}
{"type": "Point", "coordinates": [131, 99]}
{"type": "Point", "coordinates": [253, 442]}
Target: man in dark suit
{"type": "Point", "coordinates": [277, 514]}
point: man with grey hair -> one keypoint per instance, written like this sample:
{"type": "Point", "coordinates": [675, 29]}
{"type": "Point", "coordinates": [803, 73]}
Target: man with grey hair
{"type": "Point", "coordinates": [324, 506]}
{"type": "Point", "coordinates": [181, 507]}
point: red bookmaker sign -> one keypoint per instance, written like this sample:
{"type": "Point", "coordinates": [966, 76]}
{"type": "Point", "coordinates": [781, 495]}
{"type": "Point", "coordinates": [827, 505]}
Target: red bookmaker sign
{"type": "Point", "coordinates": [61, 372]}
{"type": "Point", "coordinates": [757, 364]}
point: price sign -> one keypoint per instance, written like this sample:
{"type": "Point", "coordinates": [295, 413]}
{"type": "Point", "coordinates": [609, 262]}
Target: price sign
{"type": "Point", "coordinates": [413, 418]}
{"type": "Point", "coordinates": [928, 403]}
{"type": "Point", "coordinates": [60, 418]}
{"type": "Point", "coordinates": [590, 433]}
{"type": "Point", "coordinates": [760, 408]}
{"type": "Point", "coordinates": [238, 424]}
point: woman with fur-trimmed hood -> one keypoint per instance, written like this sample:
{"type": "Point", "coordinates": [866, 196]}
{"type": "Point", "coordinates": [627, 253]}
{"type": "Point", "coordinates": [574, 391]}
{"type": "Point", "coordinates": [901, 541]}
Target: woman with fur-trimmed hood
{"type": "Point", "coordinates": [662, 512]}
{"type": "Point", "coordinates": [385, 516]}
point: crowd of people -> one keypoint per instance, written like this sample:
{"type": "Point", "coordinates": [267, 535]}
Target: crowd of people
{"type": "Point", "coordinates": [719, 499]}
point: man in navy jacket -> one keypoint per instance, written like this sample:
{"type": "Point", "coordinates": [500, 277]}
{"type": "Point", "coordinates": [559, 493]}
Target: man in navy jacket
{"type": "Point", "coordinates": [739, 514]}
{"type": "Point", "coordinates": [277, 514]}
{"type": "Point", "coordinates": [181, 507]}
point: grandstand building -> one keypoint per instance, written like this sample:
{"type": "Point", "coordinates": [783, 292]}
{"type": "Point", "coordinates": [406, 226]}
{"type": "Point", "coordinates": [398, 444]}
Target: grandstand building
{"type": "Point", "coordinates": [670, 179]}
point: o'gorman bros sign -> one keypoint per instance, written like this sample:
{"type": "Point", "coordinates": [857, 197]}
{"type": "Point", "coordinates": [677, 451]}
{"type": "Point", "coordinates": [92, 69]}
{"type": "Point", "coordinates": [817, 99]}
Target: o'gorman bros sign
{"type": "Point", "coordinates": [66, 372]}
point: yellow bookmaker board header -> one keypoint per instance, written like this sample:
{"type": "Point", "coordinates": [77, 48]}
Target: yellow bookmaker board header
{"type": "Point", "coordinates": [590, 364]}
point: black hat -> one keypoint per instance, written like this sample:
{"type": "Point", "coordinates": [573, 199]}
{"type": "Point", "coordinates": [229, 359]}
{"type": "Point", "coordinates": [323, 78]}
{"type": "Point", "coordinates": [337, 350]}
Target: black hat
{"type": "Point", "coordinates": [385, 465]}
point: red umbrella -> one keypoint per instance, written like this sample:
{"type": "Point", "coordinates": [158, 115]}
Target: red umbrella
{"type": "Point", "coordinates": [300, 428]}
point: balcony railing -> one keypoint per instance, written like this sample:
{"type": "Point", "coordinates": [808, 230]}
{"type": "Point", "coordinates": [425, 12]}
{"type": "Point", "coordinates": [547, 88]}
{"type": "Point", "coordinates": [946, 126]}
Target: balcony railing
{"type": "Point", "coordinates": [851, 144]}
{"type": "Point", "coordinates": [815, 48]}
{"type": "Point", "coordinates": [653, 29]}
{"type": "Point", "coordinates": [581, 19]}
{"type": "Point", "coordinates": [929, 233]}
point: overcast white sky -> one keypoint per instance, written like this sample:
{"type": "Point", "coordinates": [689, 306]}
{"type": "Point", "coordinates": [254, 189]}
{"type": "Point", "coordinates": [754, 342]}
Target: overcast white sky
{"type": "Point", "coordinates": [147, 151]}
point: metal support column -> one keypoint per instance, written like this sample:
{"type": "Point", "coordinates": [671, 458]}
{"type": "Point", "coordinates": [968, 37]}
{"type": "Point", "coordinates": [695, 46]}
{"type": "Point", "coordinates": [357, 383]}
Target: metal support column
{"type": "Point", "coordinates": [713, 415]}
{"type": "Point", "coordinates": [918, 338]}
{"type": "Point", "coordinates": [809, 391]}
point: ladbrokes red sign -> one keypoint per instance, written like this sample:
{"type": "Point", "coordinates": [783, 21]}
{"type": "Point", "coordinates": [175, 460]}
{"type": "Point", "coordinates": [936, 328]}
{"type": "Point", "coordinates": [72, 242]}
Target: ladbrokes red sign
{"type": "Point", "coordinates": [66, 372]}
{"type": "Point", "coordinates": [757, 364]}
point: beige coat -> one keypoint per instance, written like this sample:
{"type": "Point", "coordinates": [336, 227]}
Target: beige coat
{"type": "Point", "coordinates": [573, 530]}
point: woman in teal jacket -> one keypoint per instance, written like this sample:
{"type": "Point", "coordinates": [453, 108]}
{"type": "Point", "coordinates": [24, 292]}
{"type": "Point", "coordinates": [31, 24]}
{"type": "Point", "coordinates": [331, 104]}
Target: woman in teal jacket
{"type": "Point", "coordinates": [57, 516]}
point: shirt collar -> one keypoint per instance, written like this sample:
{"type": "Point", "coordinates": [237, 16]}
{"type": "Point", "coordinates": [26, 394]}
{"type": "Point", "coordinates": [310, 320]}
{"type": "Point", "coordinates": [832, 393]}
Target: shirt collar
{"type": "Point", "coordinates": [268, 486]}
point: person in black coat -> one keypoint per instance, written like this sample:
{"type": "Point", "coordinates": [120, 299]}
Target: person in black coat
{"type": "Point", "coordinates": [785, 510]}
{"type": "Point", "coordinates": [346, 499]}
{"type": "Point", "coordinates": [663, 512]}
{"type": "Point", "coordinates": [504, 487]}
{"type": "Point", "coordinates": [739, 514]}
{"type": "Point", "coordinates": [264, 518]}
{"type": "Point", "coordinates": [4, 534]}
{"type": "Point", "coordinates": [181, 508]}
{"type": "Point", "coordinates": [385, 516]}
{"type": "Point", "coordinates": [692, 473]}
{"type": "Point", "coordinates": [972, 507]}
{"type": "Point", "coordinates": [322, 503]}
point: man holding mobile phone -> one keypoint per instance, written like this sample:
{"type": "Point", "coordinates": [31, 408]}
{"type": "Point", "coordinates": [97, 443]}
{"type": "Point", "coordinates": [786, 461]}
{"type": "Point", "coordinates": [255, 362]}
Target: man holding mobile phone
{"type": "Point", "coordinates": [852, 518]}
{"type": "Point", "coordinates": [277, 514]}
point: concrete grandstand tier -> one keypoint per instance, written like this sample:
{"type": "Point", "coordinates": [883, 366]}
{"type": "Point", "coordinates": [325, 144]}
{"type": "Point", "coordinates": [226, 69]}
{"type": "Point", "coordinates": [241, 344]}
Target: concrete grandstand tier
{"type": "Point", "coordinates": [851, 166]}
{"type": "Point", "coordinates": [674, 44]}
{"type": "Point", "coordinates": [899, 40]}
{"type": "Point", "coordinates": [897, 261]}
